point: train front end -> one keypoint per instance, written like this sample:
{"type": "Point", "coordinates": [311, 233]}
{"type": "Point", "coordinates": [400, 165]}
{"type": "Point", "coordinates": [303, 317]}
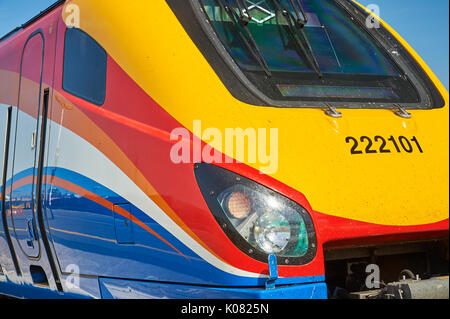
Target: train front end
{"type": "Point", "coordinates": [296, 148]}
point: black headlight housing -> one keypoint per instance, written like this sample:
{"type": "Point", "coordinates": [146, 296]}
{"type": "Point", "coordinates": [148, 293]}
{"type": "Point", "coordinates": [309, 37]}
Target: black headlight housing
{"type": "Point", "coordinates": [257, 220]}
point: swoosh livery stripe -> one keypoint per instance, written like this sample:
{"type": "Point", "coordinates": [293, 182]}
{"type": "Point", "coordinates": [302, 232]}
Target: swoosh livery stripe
{"type": "Point", "coordinates": [67, 185]}
{"type": "Point", "coordinates": [79, 156]}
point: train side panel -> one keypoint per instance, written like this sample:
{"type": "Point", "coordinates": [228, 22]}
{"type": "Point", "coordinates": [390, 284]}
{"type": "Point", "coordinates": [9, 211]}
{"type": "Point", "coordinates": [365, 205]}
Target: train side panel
{"type": "Point", "coordinates": [26, 83]}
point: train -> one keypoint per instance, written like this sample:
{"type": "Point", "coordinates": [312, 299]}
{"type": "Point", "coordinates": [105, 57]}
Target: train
{"type": "Point", "coordinates": [190, 149]}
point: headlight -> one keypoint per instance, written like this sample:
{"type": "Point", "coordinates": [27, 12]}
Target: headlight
{"type": "Point", "coordinates": [258, 220]}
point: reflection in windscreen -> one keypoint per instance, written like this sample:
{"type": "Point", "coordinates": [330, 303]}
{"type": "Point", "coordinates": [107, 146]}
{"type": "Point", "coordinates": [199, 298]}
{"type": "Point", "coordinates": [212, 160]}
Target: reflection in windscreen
{"type": "Point", "coordinates": [330, 58]}
{"type": "Point", "coordinates": [340, 46]}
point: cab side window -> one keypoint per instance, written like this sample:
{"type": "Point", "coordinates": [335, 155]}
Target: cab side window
{"type": "Point", "coordinates": [85, 64]}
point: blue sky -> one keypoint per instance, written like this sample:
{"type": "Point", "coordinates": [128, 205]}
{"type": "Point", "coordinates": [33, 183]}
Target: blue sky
{"type": "Point", "coordinates": [424, 25]}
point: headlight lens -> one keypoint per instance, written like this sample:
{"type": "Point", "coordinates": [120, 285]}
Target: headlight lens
{"type": "Point", "coordinates": [265, 222]}
{"type": "Point", "coordinates": [272, 233]}
{"type": "Point", "coordinates": [258, 220]}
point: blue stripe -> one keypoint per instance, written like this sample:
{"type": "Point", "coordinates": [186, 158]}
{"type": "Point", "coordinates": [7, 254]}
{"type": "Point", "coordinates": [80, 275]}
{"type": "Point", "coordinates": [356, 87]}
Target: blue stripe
{"type": "Point", "coordinates": [83, 232]}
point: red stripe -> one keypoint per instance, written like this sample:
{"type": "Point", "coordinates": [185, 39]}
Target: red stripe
{"type": "Point", "coordinates": [337, 232]}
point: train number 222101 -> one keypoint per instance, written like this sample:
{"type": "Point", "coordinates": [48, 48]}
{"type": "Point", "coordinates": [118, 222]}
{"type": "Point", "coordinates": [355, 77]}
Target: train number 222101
{"type": "Point", "coordinates": [379, 144]}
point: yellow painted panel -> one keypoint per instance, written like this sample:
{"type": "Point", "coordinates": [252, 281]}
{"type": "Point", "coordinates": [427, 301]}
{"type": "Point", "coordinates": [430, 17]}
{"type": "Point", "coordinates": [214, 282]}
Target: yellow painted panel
{"type": "Point", "coordinates": [148, 42]}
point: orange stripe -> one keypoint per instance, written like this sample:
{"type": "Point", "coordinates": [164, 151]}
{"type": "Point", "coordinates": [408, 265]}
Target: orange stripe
{"type": "Point", "coordinates": [9, 87]}
{"type": "Point", "coordinates": [17, 184]}
{"type": "Point", "coordinates": [105, 203]}
{"type": "Point", "coordinates": [74, 116]}
{"type": "Point", "coordinates": [93, 197]}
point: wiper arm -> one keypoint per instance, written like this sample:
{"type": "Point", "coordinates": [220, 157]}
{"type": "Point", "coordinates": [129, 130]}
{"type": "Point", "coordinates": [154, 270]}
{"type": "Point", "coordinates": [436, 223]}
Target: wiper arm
{"type": "Point", "coordinates": [297, 25]}
{"type": "Point", "coordinates": [243, 8]}
{"type": "Point", "coordinates": [302, 18]}
{"type": "Point", "coordinates": [240, 22]}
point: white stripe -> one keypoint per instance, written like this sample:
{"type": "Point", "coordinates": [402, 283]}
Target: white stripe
{"type": "Point", "coordinates": [76, 154]}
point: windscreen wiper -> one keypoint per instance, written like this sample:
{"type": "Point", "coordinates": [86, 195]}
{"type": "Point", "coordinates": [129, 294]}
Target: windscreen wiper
{"type": "Point", "coordinates": [241, 23]}
{"type": "Point", "coordinates": [297, 25]}
{"type": "Point", "coordinates": [302, 18]}
{"type": "Point", "coordinates": [245, 12]}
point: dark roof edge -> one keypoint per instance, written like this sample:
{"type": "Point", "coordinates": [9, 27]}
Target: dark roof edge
{"type": "Point", "coordinates": [32, 20]}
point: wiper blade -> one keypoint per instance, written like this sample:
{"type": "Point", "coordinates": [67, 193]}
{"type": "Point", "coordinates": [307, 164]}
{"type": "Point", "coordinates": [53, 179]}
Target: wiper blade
{"type": "Point", "coordinates": [240, 22]}
{"type": "Point", "coordinates": [297, 25]}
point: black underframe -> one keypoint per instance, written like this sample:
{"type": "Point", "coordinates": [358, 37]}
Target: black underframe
{"type": "Point", "coordinates": [244, 89]}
